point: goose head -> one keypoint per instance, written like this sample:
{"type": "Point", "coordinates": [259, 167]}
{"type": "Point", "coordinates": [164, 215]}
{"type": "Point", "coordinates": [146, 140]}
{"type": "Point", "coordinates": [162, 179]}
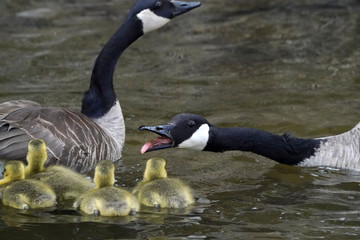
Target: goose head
{"type": "Point", "coordinates": [156, 13]}
{"type": "Point", "coordinates": [183, 131]}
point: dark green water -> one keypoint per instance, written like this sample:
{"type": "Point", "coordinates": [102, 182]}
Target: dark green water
{"type": "Point", "coordinates": [281, 66]}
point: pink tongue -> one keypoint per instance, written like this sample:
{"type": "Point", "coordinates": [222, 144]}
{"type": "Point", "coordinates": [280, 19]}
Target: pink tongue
{"type": "Point", "coordinates": [156, 142]}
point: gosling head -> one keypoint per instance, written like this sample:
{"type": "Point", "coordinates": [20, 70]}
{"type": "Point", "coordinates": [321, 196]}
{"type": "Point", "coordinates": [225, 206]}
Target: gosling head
{"type": "Point", "coordinates": [155, 169]}
{"type": "Point", "coordinates": [13, 171]}
{"type": "Point", "coordinates": [36, 156]}
{"type": "Point", "coordinates": [104, 174]}
{"type": "Point", "coordinates": [154, 14]}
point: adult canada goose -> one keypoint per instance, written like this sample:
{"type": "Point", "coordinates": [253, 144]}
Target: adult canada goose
{"type": "Point", "coordinates": [157, 190]}
{"type": "Point", "coordinates": [76, 139]}
{"type": "Point", "coordinates": [66, 183]}
{"type": "Point", "coordinates": [195, 132]}
{"type": "Point", "coordinates": [24, 193]}
{"type": "Point", "coordinates": [106, 199]}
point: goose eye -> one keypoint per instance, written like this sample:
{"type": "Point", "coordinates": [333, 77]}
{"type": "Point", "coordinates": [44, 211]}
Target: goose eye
{"type": "Point", "coordinates": [191, 124]}
{"type": "Point", "coordinates": [158, 4]}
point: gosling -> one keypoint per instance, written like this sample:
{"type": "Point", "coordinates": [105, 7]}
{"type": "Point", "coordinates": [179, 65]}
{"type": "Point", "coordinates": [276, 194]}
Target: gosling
{"type": "Point", "coordinates": [66, 183]}
{"type": "Point", "coordinates": [156, 190]}
{"type": "Point", "coordinates": [24, 193]}
{"type": "Point", "coordinates": [106, 199]}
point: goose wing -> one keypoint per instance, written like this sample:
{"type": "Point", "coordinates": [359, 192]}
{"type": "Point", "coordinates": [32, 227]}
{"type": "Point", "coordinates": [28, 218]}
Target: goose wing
{"type": "Point", "coordinates": [14, 138]}
{"type": "Point", "coordinates": [72, 138]}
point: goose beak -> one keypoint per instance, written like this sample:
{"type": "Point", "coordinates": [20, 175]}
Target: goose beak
{"type": "Point", "coordinates": [183, 7]}
{"type": "Point", "coordinates": [164, 141]}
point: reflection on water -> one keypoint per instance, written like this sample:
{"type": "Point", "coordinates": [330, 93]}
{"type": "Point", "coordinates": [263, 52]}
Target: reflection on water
{"type": "Point", "coordinates": [275, 65]}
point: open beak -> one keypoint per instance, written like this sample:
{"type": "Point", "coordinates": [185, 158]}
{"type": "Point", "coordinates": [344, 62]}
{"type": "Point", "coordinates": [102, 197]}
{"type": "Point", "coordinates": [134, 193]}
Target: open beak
{"type": "Point", "coordinates": [164, 141]}
{"type": "Point", "coordinates": [183, 7]}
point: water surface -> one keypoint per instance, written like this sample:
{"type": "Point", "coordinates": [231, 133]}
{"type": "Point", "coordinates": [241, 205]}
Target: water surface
{"type": "Point", "coordinates": [280, 66]}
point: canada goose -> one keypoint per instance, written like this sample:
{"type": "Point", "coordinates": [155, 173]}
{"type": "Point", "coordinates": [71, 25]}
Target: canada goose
{"type": "Point", "coordinates": [66, 183]}
{"type": "Point", "coordinates": [24, 193]}
{"type": "Point", "coordinates": [195, 132]}
{"type": "Point", "coordinates": [157, 190]}
{"type": "Point", "coordinates": [106, 199]}
{"type": "Point", "coordinates": [75, 139]}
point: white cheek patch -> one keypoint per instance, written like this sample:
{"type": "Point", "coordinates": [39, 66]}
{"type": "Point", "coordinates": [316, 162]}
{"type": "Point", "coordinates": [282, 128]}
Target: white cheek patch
{"type": "Point", "coordinates": [151, 21]}
{"type": "Point", "coordinates": [198, 140]}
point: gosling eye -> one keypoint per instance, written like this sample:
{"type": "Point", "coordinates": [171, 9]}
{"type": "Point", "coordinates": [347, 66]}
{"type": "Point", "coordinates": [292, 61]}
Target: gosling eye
{"type": "Point", "coordinates": [191, 124]}
{"type": "Point", "coordinates": [3, 172]}
{"type": "Point", "coordinates": [158, 4]}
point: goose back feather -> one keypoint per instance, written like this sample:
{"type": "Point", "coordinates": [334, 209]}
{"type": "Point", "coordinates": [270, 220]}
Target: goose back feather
{"type": "Point", "coordinates": [339, 151]}
{"type": "Point", "coordinates": [72, 138]}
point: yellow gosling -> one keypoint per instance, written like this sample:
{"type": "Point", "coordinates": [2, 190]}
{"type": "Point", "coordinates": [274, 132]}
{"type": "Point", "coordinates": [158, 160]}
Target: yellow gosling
{"type": "Point", "coordinates": [24, 193]}
{"type": "Point", "coordinates": [157, 190]}
{"type": "Point", "coordinates": [106, 199]}
{"type": "Point", "coordinates": [66, 183]}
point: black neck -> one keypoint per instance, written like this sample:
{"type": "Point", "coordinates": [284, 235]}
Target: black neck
{"type": "Point", "coordinates": [284, 149]}
{"type": "Point", "coordinates": [101, 95]}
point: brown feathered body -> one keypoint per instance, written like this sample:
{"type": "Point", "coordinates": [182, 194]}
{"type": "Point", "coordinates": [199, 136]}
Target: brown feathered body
{"type": "Point", "coordinates": [72, 138]}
